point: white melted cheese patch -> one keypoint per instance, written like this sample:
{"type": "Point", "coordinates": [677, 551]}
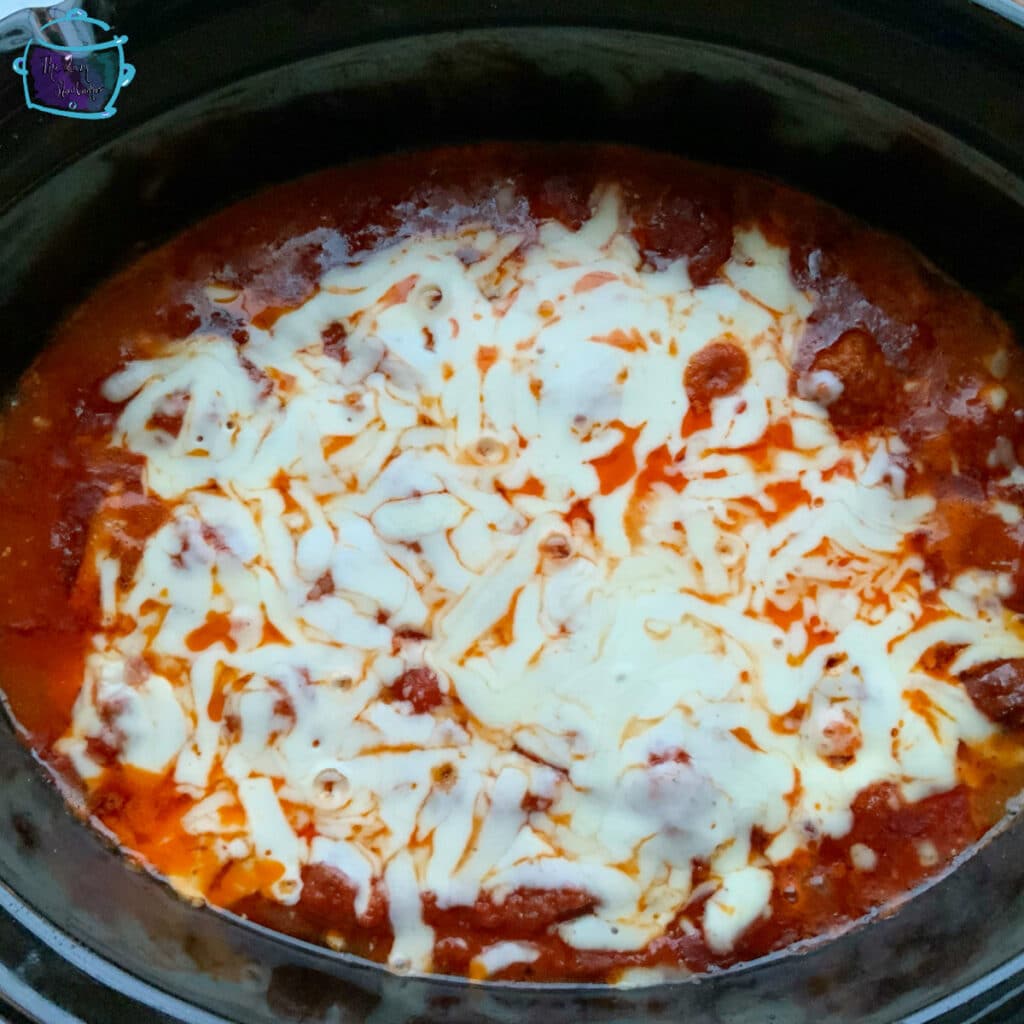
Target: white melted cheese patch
{"type": "Point", "coordinates": [623, 685]}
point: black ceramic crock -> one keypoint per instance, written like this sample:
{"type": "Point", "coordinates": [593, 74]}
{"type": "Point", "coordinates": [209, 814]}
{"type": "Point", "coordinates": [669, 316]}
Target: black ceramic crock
{"type": "Point", "coordinates": [910, 114]}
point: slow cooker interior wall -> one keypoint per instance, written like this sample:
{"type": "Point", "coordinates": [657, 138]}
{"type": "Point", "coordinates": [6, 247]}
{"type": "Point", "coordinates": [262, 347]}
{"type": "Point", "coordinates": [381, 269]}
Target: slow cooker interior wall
{"type": "Point", "coordinates": [707, 102]}
{"type": "Point", "coordinates": [560, 84]}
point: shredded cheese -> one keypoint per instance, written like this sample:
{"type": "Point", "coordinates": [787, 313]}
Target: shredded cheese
{"type": "Point", "coordinates": [733, 643]}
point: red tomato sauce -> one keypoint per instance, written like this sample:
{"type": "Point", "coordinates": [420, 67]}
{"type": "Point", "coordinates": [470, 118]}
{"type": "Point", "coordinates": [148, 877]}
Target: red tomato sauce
{"type": "Point", "coordinates": [911, 350]}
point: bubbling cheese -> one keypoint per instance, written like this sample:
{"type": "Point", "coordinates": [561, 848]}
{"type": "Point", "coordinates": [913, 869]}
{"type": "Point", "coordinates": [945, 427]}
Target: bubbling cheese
{"type": "Point", "coordinates": [647, 629]}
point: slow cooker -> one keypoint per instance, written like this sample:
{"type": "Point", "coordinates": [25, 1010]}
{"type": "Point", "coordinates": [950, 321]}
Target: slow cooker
{"type": "Point", "coordinates": [909, 115]}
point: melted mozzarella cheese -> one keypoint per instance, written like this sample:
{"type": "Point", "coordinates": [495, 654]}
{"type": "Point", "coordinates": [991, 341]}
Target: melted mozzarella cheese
{"type": "Point", "coordinates": [336, 522]}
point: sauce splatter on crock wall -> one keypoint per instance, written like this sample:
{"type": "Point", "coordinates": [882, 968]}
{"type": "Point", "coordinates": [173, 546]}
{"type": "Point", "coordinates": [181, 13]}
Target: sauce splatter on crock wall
{"type": "Point", "coordinates": [551, 563]}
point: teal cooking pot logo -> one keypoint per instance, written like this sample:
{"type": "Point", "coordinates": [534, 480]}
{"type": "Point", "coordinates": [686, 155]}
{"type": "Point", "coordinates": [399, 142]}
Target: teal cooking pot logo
{"type": "Point", "coordinates": [75, 81]}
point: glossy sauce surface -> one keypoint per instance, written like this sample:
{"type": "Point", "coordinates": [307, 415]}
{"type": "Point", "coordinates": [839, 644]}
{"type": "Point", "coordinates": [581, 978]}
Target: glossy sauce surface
{"type": "Point", "coordinates": [915, 356]}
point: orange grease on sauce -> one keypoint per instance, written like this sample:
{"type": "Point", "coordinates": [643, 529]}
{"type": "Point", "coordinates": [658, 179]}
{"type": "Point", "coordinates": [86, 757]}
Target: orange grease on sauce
{"type": "Point", "coordinates": [216, 629]}
{"type": "Point", "coordinates": [619, 466]}
{"type": "Point", "coordinates": [486, 357]}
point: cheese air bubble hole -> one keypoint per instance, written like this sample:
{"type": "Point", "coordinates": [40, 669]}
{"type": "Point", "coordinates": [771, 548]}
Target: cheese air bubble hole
{"type": "Point", "coordinates": [490, 451]}
{"type": "Point", "coordinates": [332, 788]}
{"type": "Point", "coordinates": [431, 296]}
{"type": "Point", "coordinates": [557, 546]}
